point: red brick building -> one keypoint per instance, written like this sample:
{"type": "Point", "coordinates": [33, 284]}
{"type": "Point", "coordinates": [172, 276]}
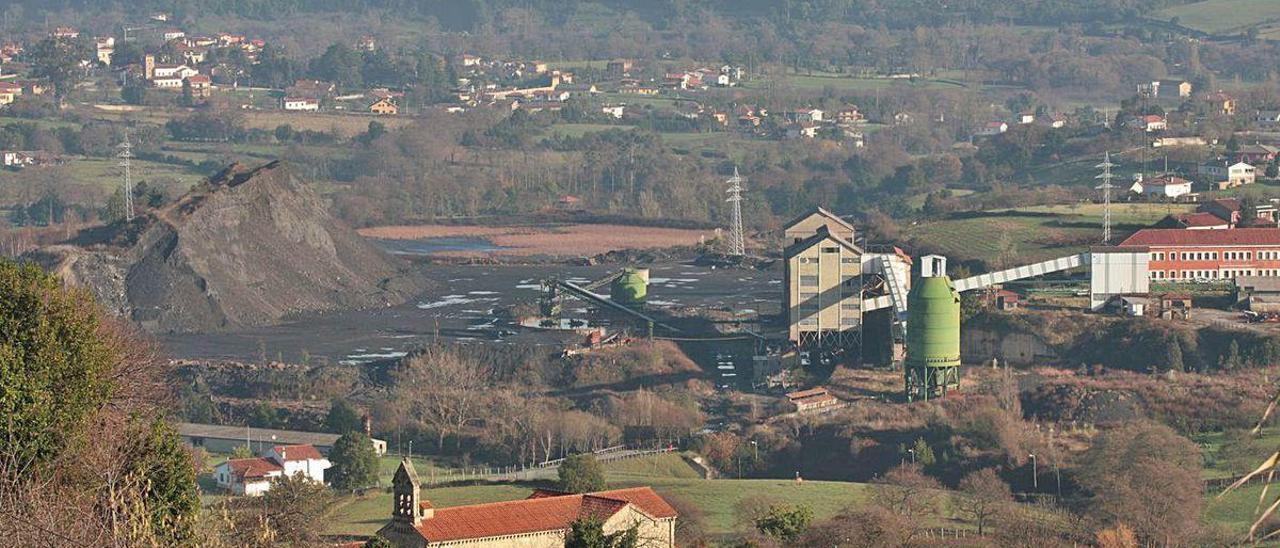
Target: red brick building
{"type": "Point", "coordinates": [1179, 254]}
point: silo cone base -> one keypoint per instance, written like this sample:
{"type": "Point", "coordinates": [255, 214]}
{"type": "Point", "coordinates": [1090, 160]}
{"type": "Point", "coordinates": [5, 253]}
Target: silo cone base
{"type": "Point", "coordinates": [927, 383]}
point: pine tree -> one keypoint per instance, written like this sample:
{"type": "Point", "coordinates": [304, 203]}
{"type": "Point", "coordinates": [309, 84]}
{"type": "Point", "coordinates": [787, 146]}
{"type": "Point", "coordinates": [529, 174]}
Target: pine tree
{"type": "Point", "coordinates": [355, 463]}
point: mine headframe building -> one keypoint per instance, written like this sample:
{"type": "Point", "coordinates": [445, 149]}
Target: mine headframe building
{"type": "Point", "coordinates": [823, 281]}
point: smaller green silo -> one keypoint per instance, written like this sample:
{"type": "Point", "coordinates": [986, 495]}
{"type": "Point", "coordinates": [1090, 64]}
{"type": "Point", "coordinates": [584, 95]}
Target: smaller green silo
{"type": "Point", "coordinates": [933, 338]}
{"type": "Point", "coordinates": [631, 288]}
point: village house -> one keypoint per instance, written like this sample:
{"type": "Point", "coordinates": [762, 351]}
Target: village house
{"type": "Point", "coordinates": [1257, 154]}
{"type": "Point", "coordinates": [65, 33]}
{"type": "Point", "coordinates": [1222, 175]}
{"type": "Point", "coordinates": [201, 85]}
{"type": "Point", "coordinates": [105, 47]}
{"type": "Point", "coordinates": [849, 115]}
{"type": "Point", "coordinates": [17, 159]}
{"type": "Point", "coordinates": [807, 115]}
{"type": "Point", "coordinates": [384, 106]}
{"type": "Point", "coordinates": [315, 89]}
{"type": "Point", "coordinates": [253, 476]}
{"type": "Point", "coordinates": [300, 104]}
{"type": "Point", "coordinates": [1231, 211]}
{"type": "Point", "coordinates": [618, 67]}
{"type": "Point", "coordinates": [802, 130]}
{"type": "Point", "coordinates": [1167, 88]}
{"type": "Point", "coordinates": [1054, 121]}
{"type": "Point", "coordinates": [1166, 186]}
{"type": "Point", "coordinates": [1193, 221]}
{"type": "Point", "coordinates": [539, 521]}
{"type": "Point", "coordinates": [992, 128]}
{"type": "Point", "coordinates": [366, 43]}
{"type": "Point", "coordinates": [1221, 103]}
{"type": "Point", "coordinates": [1149, 123]}
{"type": "Point", "coordinates": [226, 39]}
{"type": "Point", "coordinates": [1268, 118]}
{"type": "Point", "coordinates": [165, 75]}
{"type": "Point", "coordinates": [616, 111]}
{"type": "Point", "coordinates": [170, 35]}
{"type": "Point", "coordinates": [1026, 118]}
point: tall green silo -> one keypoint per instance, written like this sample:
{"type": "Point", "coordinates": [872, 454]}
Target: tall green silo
{"type": "Point", "coordinates": [631, 288]}
{"type": "Point", "coordinates": [932, 366]}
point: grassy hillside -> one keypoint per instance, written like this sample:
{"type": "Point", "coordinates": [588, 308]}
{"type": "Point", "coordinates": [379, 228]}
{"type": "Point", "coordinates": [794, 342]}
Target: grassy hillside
{"type": "Point", "coordinates": [668, 474]}
{"type": "Point", "coordinates": [1033, 233]}
{"type": "Point", "coordinates": [1224, 16]}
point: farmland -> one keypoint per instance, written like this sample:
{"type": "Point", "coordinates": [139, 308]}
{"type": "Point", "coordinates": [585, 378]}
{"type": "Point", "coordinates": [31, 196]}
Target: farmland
{"type": "Point", "coordinates": [1032, 233]}
{"type": "Point", "coordinates": [1224, 16]}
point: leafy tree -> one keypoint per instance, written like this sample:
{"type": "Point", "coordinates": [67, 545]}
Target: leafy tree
{"type": "Point", "coordinates": [378, 542]}
{"type": "Point", "coordinates": [343, 418]}
{"type": "Point", "coordinates": [923, 453]}
{"type": "Point", "coordinates": [785, 522]}
{"type": "Point", "coordinates": [54, 364]}
{"type": "Point", "coordinates": [134, 92]}
{"type": "Point", "coordinates": [589, 533]}
{"type": "Point", "coordinates": [581, 474]}
{"type": "Point", "coordinates": [983, 495]}
{"type": "Point", "coordinates": [355, 462]}
{"type": "Point", "coordinates": [242, 452]}
{"type": "Point", "coordinates": [58, 61]}
{"type": "Point", "coordinates": [159, 463]}
{"type": "Point", "coordinates": [1173, 358]}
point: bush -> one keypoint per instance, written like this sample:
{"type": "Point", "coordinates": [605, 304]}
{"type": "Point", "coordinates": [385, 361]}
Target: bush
{"type": "Point", "coordinates": [581, 474]}
{"type": "Point", "coordinates": [355, 462]}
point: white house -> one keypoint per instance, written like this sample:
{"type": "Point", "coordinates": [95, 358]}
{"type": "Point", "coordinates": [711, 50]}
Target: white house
{"type": "Point", "coordinates": [1268, 117]}
{"type": "Point", "coordinates": [1222, 175]}
{"type": "Point", "coordinates": [992, 128]}
{"type": "Point", "coordinates": [173, 34]}
{"type": "Point", "coordinates": [615, 111]}
{"type": "Point", "coordinates": [300, 104]}
{"type": "Point", "coordinates": [1150, 123]}
{"type": "Point", "coordinates": [173, 71]}
{"type": "Point", "coordinates": [253, 476]}
{"type": "Point", "coordinates": [1166, 187]}
{"type": "Point", "coordinates": [809, 115]}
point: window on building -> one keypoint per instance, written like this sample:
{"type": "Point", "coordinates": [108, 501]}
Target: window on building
{"type": "Point", "coordinates": [848, 321]}
{"type": "Point", "coordinates": [849, 260]}
{"type": "Point", "coordinates": [808, 280]}
{"type": "Point", "coordinates": [830, 250]}
{"type": "Point", "coordinates": [809, 322]}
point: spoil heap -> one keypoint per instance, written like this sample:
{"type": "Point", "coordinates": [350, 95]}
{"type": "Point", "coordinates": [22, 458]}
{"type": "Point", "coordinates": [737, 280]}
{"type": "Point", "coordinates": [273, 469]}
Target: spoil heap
{"type": "Point", "coordinates": [250, 247]}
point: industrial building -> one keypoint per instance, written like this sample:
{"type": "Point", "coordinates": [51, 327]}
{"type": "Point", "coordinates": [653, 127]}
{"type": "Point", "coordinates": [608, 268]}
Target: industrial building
{"type": "Point", "coordinates": [822, 278]}
{"type": "Point", "coordinates": [932, 367]}
{"type": "Point", "coordinates": [1177, 254]}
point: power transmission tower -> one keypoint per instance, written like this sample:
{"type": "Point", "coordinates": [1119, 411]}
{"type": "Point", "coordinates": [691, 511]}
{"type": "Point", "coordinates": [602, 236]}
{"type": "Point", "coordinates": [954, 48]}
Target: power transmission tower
{"type": "Point", "coordinates": [737, 242]}
{"type": "Point", "coordinates": [125, 154]}
{"type": "Point", "coordinates": [1106, 187]}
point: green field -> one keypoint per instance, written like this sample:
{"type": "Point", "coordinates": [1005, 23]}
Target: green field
{"type": "Point", "coordinates": [668, 474]}
{"type": "Point", "coordinates": [1224, 16]}
{"type": "Point", "coordinates": [1068, 229]}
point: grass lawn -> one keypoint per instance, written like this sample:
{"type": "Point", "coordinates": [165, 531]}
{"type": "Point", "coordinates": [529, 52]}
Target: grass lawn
{"type": "Point", "coordinates": [107, 172]}
{"type": "Point", "coordinates": [668, 474]}
{"type": "Point", "coordinates": [578, 130]}
{"type": "Point", "coordinates": [1223, 16]}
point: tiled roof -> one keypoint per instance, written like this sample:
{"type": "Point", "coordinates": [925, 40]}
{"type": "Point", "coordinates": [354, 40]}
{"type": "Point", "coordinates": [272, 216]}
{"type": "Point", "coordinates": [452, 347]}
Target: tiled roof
{"type": "Point", "coordinates": [298, 452]}
{"type": "Point", "coordinates": [806, 393]}
{"type": "Point", "coordinates": [543, 511]}
{"type": "Point", "coordinates": [1201, 219]}
{"type": "Point", "coordinates": [1234, 236]}
{"type": "Point", "coordinates": [252, 468]}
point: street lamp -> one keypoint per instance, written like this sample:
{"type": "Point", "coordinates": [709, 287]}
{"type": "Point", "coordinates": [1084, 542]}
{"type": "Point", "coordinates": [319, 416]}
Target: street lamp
{"type": "Point", "coordinates": [913, 455]}
{"type": "Point", "coordinates": [755, 452]}
{"type": "Point", "coordinates": [1035, 481]}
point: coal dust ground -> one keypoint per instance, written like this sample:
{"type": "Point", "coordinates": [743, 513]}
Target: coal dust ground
{"type": "Point", "coordinates": [463, 310]}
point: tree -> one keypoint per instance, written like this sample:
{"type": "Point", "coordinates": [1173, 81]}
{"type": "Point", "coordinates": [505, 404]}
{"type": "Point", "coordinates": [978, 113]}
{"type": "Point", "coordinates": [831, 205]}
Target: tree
{"type": "Point", "coordinates": [378, 542]}
{"type": "Point", "coordinates": [54, 365]}
{"type": "Point", "coordinates": [1147, 476]}
{"type": "Point", "coordinates": [444, 388]}
{"type": "Point", "coordinates": [868, 526]}
{"type": "Point", "coordinates": [581, 474]}
{"type": "Point", "coordinates": [907, 491]}
{"type": "Point", "coordinates": [343, 418]}
{"type": "Point", "coordinates": [58, 61]}
{"type": "Point", "coordinates": [1119, 536]}
{"type": "Point", "coordinates": [294, 509]}
{"type": "Point", "coordinates": [134, 92]}
{"type": "Point", "coordinates": [162, 468]}
{"type": "Point", "coordinates": [589, 533]}
{"type": "Point", "coordinates": [785, 522]}
{"type": "Point", "coordinates": [355, 462]}
{"type": "Point", "coordinates": [983, 495]}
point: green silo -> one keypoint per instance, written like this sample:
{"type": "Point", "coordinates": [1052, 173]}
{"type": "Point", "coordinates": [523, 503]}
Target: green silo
{"type": "Point", "coordinates": [933, 338]}
{"type": "Point", "coordinates": [631, 287]}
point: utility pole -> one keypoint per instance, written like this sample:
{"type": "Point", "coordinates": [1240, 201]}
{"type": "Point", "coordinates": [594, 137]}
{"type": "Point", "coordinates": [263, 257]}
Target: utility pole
{"type": "Point", "coordinates": [126, 154]}
{"type": "Point", "coordinates": [1106, 187]}
{"type": "Point", "coordinates": [737, 241]}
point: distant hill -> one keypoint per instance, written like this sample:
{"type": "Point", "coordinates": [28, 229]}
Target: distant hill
{"type": "Point", "coordinates": [250, 247]}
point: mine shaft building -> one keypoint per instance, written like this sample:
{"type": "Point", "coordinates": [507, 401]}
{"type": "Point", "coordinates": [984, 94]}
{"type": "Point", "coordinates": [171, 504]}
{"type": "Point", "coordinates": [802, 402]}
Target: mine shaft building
{"type": "Point", "coordinates": [822, 279]}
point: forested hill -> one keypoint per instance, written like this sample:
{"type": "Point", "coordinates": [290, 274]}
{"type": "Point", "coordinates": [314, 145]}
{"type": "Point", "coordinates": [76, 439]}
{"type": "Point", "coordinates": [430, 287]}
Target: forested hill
{"type": "Point", "coordinates": [471, 14]}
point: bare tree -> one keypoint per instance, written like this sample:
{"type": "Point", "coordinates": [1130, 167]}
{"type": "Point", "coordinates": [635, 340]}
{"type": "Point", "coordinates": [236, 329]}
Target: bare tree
{"type": "Point", "coordinates": [907, 491]}
{"type": "Point", "coordinates": [983, 495]}
{"type": "Point", "coordinates": [444, 389]}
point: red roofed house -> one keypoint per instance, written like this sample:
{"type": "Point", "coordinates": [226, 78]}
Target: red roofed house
{"type": "Point", "coordinates": [1178, 254]}
{"type": "Point", "coordinates": [812, 399]}
{"type": "Point", "coordinates": [538, 521]}
{"type": "Point", "coordinates": [201, 85]}
{"type": "Point", "coordinates": [253, 476]}
{"type": "Point", "coordinates": [1193, 221]}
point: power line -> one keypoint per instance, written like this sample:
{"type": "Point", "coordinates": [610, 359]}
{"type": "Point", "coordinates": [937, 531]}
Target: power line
{"type": "Point", "coordinates": [1106, 187]}
{"type": "Point", "coordinates": [737, 241]}
{"type": "Point", "coordinates": [126, 154]}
